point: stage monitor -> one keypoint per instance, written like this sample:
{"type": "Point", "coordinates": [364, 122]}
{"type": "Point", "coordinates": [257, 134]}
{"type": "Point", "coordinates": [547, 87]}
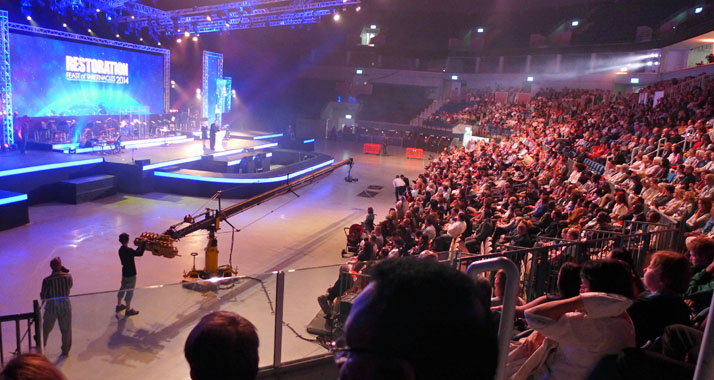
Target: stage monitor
{"type": "Point", "coordinates": [56, 76]}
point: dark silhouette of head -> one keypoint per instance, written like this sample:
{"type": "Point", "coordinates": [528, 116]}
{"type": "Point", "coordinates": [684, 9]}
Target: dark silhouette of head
{"type": "Point", "coordinates": [418, 319]}
{"type": "Point", "coordinates": [222, 346]}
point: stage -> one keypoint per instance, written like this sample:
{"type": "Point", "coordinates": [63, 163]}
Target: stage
{"type": "Point", "coordinates": [241, 168]}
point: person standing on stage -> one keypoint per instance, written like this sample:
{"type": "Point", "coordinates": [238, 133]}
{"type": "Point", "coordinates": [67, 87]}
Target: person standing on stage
{"type": "Point", "coordinates": [128, 274]}
{"type": "Point", "coordinates": [214, 131]}
{"type": "Point", "coordinates": [204, 134]}
{"type": "Point", "coordinates": [54, 293]}
{"type": "Point", "coordinates": [22, 131]}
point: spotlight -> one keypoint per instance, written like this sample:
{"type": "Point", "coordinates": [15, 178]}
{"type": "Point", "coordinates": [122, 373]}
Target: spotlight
{"type": "Point", "coordinates": [650, 63]}
{"type": "Point", "coordinates": [118, 36]}
{"type": "Point", "coordinates": [29, 18]}
{"type": "Point", "coordinates": [195, 38]}
{"type": "Point", "coordinates": [634, 80]}
{"type": "Point", "coordinates": [159, 43]}
{"type": "Point", "coordinates": [178, 30]}
{"type": "Point", "coordinates": [198, 90]}
{"type": "Point", "coordinates": [373, 26]}
{"type": "Point", "coordinates": [358, 9]}
{"type": "Point", "coordinates": [359, 71]}
{"type": "Point", "coordinates": [89, 30]}
{"type": "Point", "coordinates": [208, 18]}
{"type": "Point", "coordinates": [64, 25]}
{"type": "Point", "coordinates": [454, 77]}
{"type": "Point", "coordinates": [133, 17]}
{"type": "Point", "coordinates": [623, 68]}
{"type": "Point", "coordinates": [178, 40]}
{"type": "Point", "coordinates": [529, 79]}
{"type": "Point", "coordinates": [348, 116]}
{"type": "Point", "coordinates": [698, 10]}
{"type": "Point", "coordinates": [479, 30]}
{"type": "Point", "coordinates": [98, 10]}
{"type": "Point", "coordinates": [141, 38]}
{"type": "Point", "coordinates": [227, 25]}
{"type": "Point", "coordinates": [336, 17]}
{"type": "Point", "coordinates": [656, 63]}
{"type": "Point", "coordinates": [109, 18]}
{"type": "Point", "coordinates": [186, 34]}
{"type": "Point", "coordinates": [575, 23]}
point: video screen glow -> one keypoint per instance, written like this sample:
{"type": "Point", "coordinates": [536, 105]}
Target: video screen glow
{"type": "Point", "coordinates": [53, 77]}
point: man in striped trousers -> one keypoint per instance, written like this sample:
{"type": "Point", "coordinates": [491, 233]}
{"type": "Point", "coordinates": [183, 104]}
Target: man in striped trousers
{"type": "Point", "coordinates": [54, 293]}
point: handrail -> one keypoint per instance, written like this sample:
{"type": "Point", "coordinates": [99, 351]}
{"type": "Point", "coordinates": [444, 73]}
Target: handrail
{"type": "Point", "coordinates": [705, 362]}
{"type": "Point", "coordinates": [508, 313]}
{"type": "Point", "coordinates": [32, 318]}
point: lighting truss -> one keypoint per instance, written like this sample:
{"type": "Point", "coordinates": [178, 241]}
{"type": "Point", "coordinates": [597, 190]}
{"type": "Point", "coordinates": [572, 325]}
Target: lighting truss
{"type": "Point", "coordinates": [5, 84]}
{"type": "Point", "coordinates": [233, 16]}
{"type": "Point", "coordinates": [120, 44]}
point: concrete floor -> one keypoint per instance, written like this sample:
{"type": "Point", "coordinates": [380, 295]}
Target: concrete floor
{"type": "Point", "coordinates": [285, 233]}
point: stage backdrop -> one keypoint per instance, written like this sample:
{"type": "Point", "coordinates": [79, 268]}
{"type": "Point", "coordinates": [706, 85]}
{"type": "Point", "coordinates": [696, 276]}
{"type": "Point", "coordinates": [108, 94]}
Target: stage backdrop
{"type": "Point", "coordinates": [52, 76]}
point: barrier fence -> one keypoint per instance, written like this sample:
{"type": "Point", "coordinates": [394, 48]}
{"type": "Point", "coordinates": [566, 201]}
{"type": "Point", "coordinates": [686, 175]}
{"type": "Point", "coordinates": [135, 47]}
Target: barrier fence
{"type": "Point", "coordinates": [539, 265]}
{"type": "Point", "coordinates": [282, 304]}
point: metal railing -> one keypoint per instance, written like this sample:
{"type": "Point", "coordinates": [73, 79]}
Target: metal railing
{"type": "Point", "coordinates": [33, 319]}
{"type": "Point", "coordinates": [539, 265]}
{"type": "Point", "coordinates": [508, 313]}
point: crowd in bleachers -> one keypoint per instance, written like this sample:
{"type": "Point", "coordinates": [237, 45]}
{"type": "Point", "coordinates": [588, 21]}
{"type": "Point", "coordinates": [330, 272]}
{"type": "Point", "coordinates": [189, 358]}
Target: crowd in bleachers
{"type": "Point", "coordinates": [573, 161]}
{"type": "Point", "coordinates": [578, 161]}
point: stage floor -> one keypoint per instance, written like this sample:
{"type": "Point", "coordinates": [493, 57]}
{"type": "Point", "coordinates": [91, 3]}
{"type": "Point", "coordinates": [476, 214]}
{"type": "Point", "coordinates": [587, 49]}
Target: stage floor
{"type": "Point", "coordinates": [283, 233]}
{"type": "Point", "coordinates": [14, 159]}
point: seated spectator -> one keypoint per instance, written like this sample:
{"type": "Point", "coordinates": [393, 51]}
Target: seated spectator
{"type": "Point", "coordinates": [701, 286]}
{"type": "Point", "coordinates": [666, 194]}
{"type": "Point", "coordinates": [666, 278]}
{"type": "Point", "coordinates": [585, 328]}
{"type": "Point", "coordinates": [568, 286]}
{"type": "Point", "coordinates": [222, 346]}
{"type": "Point", "coordinates": [701, 216]}
{"type": "Point", "coordinates": [30, 366]}
{"type": "Point", "coordinates": [499, 287]}
{"type": "Point", "coordinates": [396, 327]}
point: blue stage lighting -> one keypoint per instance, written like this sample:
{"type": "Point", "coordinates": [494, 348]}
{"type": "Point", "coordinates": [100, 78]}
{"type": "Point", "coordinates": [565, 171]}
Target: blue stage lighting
{"type": "Point", "coordinates": [39, 168]}
{"type": "Point", "coordinates": [13, 199]}
{"type": "Point", "coordinates": [170, 163]}
{"type": "Point", "coordinates": [264, 146]}
{"type": "Point", "coordinates": [308, 141]}
{"type": "Point", "coordinates": [242, 180]}
{"type": "Point", "coordinates": [268, 136]}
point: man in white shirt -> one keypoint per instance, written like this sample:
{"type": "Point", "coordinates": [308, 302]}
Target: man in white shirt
{"type": "Point", "coordinates": [457, 227]}
{"type": "Point", "coordinates": [399, 187]}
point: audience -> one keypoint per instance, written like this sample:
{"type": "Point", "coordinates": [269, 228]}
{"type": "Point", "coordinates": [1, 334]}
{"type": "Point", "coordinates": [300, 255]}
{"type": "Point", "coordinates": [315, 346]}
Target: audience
{"type": "Point", "coordinates": [30, 366]}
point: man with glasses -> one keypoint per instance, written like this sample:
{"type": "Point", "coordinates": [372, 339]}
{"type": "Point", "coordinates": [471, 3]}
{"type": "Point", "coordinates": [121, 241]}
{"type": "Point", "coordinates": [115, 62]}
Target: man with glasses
{"type": "Point", "coordinates": [417, 319]}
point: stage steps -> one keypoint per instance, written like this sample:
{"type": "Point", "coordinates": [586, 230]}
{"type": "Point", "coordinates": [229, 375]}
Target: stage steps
{"type": "Point", "coordinates": [13, 208]}
{"type": "Point", "coordinates": [86, 189]}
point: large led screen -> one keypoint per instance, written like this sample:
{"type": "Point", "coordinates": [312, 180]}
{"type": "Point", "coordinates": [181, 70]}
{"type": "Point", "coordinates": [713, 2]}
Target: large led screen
{"type": "Point", "coordinates": [54, 77]}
